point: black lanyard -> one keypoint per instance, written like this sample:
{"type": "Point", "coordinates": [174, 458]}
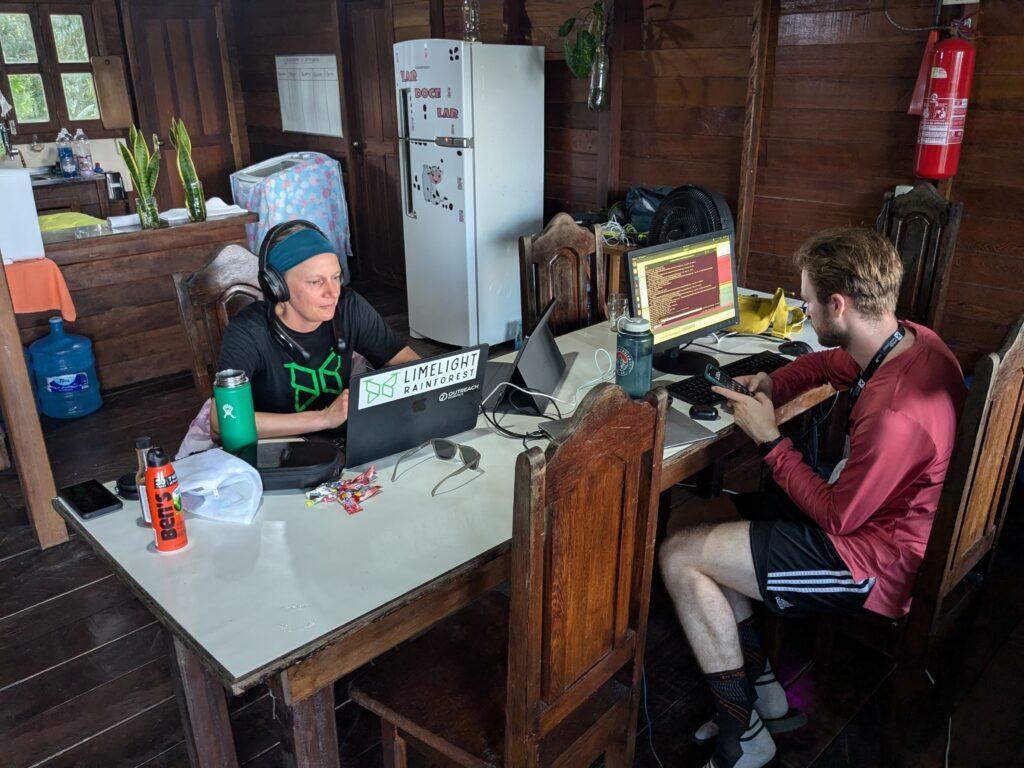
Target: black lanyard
{"type": "Point", "coordinates": [876, 361]}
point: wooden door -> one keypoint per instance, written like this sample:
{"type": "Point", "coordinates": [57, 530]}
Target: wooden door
{"type": "Point", "coordinates": [367, 39]}
{"type": "Point", "coordinates": [177, 56]}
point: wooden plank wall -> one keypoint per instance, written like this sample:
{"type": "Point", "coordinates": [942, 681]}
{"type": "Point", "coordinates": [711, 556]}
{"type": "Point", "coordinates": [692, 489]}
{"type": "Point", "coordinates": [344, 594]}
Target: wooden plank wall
{"type": "Point", "coordinates": [986, 292]}
{"type": "Point", "coordinates": [684, 87]}
{"type": "Point", "coordinates": [836, 135]}
{"type": "Point", "coordinates": [267, 28]}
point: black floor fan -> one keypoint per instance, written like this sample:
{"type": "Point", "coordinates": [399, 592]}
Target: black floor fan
{"type": "Point", "coordinates": [687, 211]}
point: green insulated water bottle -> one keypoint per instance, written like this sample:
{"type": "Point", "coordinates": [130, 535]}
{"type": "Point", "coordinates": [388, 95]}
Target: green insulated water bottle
{"type": "Point", "coordinates": [232, 395]}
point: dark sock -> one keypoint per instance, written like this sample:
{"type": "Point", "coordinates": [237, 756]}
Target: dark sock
{"type": "Point", "coordinates": [734, 698]}
{"type": "Point", "coordinates": [753, 651]}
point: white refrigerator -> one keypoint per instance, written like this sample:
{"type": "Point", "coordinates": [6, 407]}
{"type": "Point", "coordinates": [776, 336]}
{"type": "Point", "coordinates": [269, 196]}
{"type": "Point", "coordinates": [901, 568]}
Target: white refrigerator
{"type": "Point", "coordinates": [471, 155]}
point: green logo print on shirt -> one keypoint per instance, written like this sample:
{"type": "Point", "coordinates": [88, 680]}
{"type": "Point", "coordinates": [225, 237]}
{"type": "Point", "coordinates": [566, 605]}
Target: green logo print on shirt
{"type": "Point", "coordinates": [309, 384]}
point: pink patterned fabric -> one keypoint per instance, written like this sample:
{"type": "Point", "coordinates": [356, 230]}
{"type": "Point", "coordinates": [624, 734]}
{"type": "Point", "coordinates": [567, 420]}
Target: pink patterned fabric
{"type": "Point", "coordinates": [312, 190]}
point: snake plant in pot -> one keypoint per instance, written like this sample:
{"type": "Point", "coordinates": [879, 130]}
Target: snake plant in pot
{"type": "Point", "coordinates": [144, 168]}
{"type": "Point", "coordinates": [195, 202]}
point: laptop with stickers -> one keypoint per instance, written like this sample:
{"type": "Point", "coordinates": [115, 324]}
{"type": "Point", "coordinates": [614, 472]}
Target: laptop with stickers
{"type": "Point", "coordinates": [397, 408]}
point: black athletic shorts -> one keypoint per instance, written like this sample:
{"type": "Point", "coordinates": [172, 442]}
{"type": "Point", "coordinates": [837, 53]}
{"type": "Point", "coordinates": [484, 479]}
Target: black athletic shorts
{"type": "Point", "coordinates": [798, 570]}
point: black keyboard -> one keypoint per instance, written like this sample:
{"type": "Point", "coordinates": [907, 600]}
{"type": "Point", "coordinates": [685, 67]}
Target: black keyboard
{"type": "Point", "coordinates": [697, 390]}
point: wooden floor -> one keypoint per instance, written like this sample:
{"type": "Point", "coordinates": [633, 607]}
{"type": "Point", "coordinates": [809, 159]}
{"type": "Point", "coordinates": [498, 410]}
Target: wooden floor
{"type": "Point", "coordinates": [84, 677]}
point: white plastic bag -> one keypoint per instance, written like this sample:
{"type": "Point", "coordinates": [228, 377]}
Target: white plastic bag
{"type": "Point", "coordinates": [219, 486]}
{"type": "Point", "coordinates": [198, 437]}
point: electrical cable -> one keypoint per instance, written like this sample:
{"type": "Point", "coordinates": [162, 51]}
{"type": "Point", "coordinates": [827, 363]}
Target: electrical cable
{"type": "Point", "coordinates": [647, 716]}
{"type": "Point", "coordinates": [723, 351]}
{"type": "Point", "coordinates": [901, 28]}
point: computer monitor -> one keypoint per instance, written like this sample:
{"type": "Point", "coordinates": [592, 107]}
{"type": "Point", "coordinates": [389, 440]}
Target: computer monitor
{"type": "Point", "coordinates": [686, 289]}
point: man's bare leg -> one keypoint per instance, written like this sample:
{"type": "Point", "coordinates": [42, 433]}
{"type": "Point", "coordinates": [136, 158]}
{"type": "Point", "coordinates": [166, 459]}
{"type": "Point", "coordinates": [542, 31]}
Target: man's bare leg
{"type": "Point", "coordinates": [709, 572]}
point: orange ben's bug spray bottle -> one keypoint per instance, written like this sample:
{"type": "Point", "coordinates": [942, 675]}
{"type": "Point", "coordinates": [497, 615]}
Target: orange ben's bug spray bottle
{"type": "Point", "coordinates": [164, 502]}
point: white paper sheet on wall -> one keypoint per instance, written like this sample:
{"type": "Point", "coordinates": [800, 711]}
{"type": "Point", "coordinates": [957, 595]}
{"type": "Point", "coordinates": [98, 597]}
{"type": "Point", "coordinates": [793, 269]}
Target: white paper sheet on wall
{"type": "Point", "coordinates": [310, 96]}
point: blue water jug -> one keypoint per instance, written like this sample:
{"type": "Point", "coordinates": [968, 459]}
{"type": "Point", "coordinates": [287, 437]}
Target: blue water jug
{"type": "Point", "coordinates": [64, 372]}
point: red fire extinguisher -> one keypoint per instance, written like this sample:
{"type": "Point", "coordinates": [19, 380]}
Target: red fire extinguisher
{"type": "Point", "coordinates": [945, 109]}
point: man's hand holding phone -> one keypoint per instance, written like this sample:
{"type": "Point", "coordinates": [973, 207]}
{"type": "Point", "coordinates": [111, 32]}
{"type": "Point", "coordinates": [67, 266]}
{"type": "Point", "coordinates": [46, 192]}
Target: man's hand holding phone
{"type": "Point", "coordinates": [758, 382]}
{"type": "Point", "coordinates": [753, 413]}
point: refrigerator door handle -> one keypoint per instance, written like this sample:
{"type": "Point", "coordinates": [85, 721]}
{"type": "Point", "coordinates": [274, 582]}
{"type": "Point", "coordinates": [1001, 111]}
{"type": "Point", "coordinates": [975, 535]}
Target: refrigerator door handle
{"type": "Point", "coordinates": [405, 153]}
{"type": "Point", "coordinates": [404, 163]}
{"type": "Point", "coordinates": [454, 141]}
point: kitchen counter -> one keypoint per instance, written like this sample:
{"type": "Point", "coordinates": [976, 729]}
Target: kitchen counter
{"type": "Point", "coordinates": [120, 281]}
{"type": "Point", "coordinates": [49, 181]}
{"type": "Point", "coordinates": [54, 194]}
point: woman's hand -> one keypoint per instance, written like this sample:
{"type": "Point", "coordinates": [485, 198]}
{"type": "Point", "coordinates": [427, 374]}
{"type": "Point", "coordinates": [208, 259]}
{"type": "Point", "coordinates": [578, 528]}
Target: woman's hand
{"type": "Point", "coordinates": [335, 414]}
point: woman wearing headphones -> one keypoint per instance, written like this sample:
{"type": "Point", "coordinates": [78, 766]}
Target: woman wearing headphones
{"type": "Point", "coordinates": [296, 346]}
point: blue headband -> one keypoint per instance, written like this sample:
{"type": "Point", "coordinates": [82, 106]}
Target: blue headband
{"type": "Point", "coordinates": [296, 248]}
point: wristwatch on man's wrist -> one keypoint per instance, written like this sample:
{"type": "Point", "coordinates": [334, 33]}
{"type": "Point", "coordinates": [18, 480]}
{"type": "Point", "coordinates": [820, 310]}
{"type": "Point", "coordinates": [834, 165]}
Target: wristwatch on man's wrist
{"type": "Point", "coordinates": [768, 445]}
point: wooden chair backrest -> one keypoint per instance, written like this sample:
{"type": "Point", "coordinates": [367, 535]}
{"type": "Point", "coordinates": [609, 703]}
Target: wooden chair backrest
{"type": "Point", "coordinates": [207, 300]}
{"type": "Point", "coordinates": [583, 527]}
{"type": "Point", "coordinates": [981, 474]}
{"type": "Point", "coordinates": [923, 226]}
{"type": "Point", "coordinates": [560, 263]}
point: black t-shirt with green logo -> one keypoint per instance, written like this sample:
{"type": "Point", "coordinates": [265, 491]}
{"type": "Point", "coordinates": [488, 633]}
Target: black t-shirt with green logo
{"type": "Point", "coordinates": [283, 383]}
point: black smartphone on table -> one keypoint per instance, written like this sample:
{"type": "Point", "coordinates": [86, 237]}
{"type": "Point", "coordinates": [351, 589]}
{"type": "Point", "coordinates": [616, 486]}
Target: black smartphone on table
{"type": "Point", "coordinates": [89, 499]}
{"type": "Point", "coordinates": [719, 378]}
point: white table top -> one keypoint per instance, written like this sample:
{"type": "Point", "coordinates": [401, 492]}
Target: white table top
{"type": "Point", "coordinates": [252, 594]}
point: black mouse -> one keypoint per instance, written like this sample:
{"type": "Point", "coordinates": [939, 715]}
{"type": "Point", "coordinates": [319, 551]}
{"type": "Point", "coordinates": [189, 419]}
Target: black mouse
{"type": "Point", "coordinates": [795, 348]}
{"type": "Point", "coordinates": [703, 412]}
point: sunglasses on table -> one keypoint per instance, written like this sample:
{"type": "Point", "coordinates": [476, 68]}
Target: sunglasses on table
{"type": "Point", "coordinates": [447, 450]}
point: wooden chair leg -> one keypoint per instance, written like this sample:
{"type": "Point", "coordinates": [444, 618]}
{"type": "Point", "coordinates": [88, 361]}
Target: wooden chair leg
{"type": "Point", "coordinates": [906, 688]}
{"type": "Point", "coordinates": [393, 746]}
{"type": "Point", "coordinates": [711, 479]}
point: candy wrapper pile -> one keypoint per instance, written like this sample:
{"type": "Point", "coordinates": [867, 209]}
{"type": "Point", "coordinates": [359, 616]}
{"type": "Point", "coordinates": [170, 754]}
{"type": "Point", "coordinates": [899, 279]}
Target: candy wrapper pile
{"type": "Point", "coordinates": [349, 493]}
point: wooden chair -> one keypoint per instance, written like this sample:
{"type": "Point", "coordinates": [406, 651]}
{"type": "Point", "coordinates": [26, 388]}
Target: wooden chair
{"type": "Point", "coordinates": [207, 299]}
{"type": "Point", "coordinates": [550, 676]}
{"type": "Point", "coordinates": [961, 548]}
{"type": "Point", "coordinates": [560, 263]}
{"type": "Point", "coordinates": [923, 226]}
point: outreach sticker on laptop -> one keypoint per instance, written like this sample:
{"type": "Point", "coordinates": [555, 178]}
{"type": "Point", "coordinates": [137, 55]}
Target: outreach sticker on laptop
{"type": "Point", "coordinates": [389, 386]}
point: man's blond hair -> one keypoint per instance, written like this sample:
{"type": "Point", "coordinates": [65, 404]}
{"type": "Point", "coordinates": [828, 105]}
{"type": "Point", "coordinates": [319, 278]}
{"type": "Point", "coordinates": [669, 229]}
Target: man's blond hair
{"type": "Point", "coordinates": [858, 263]}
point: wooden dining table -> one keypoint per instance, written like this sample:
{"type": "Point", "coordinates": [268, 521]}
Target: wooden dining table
{"type": "Point", "coordinates": [303, 595]}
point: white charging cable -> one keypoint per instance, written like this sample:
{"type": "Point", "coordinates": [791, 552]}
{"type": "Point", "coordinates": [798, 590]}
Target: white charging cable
{"type": "Point", "coordinates": [573, 403]}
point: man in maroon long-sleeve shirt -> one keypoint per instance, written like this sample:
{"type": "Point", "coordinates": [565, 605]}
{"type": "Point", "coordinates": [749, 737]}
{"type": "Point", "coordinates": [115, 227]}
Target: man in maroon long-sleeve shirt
{"type": "Point", "coordinates": [812, 545]}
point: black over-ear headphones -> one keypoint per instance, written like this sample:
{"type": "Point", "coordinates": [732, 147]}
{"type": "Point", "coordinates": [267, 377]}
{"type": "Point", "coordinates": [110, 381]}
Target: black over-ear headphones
{"type": "Point", "coordinates": [275, 290]}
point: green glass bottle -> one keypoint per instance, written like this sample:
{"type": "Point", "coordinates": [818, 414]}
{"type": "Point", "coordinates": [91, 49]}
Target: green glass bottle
{"type": "Point", "coordinates": [232, 395]}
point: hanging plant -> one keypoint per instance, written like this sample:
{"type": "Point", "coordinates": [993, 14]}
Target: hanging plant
{"type": "Point", "coordinates": [195, 202]}
{"type": "Point", "coordinates": [582, 35]}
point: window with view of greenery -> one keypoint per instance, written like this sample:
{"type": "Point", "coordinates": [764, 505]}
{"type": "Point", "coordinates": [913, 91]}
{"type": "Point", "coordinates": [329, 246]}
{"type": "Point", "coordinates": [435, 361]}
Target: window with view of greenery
{"type": "Point", "coordinates": [35, 77]}
{"type": "Point", "coordinates": [29, 98]}
{"type": "Point", "coordinates": [80, 96]}
{"type": "Point", "coordinates": [69, 38]}
{"type": "Point", "coordinates": [16, 39]}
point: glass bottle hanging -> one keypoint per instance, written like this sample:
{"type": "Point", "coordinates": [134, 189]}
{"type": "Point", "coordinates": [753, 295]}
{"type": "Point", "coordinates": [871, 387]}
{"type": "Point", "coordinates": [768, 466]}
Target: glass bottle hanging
{"type": "Point", "coordinates": [471, 20]}
{"type": "Point", "coordinates": [598, 79]}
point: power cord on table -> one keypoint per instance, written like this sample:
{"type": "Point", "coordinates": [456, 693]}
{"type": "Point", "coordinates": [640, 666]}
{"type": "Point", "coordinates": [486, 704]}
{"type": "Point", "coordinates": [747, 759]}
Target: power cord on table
{"type": "Point", "coordinates": [572, 403]}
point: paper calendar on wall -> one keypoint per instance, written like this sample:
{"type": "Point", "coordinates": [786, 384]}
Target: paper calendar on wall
{"type": "Point", "coordinates": [309, 93]}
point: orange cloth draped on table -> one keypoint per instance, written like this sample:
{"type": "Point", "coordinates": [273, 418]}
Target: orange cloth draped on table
{"type": "Point", "coordinates": [37, 286]}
